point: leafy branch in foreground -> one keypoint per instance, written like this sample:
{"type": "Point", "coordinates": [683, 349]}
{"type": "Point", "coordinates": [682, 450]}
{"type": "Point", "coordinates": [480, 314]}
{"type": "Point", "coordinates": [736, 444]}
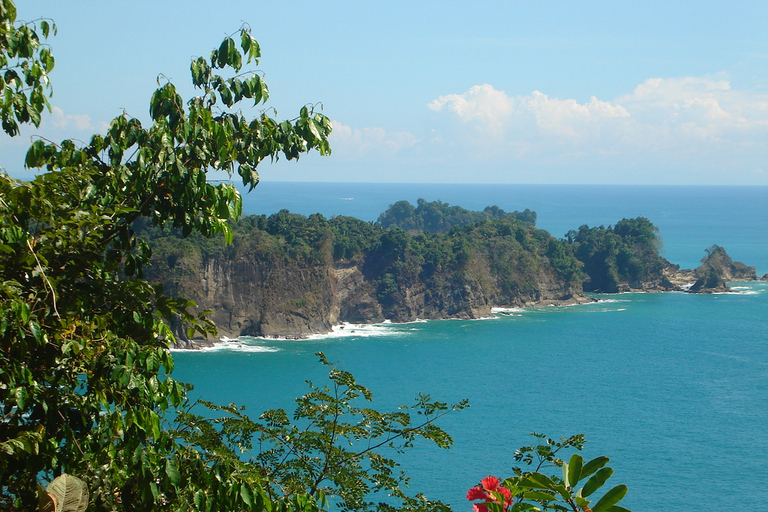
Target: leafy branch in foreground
{"type": "Point", "coordinates": [24, 66]}
{"type": "Point", "coordinates": [331, 449]}
{"type": "Point", "coordinates": [535, 490]}
{"type": "Point", "coordinates": [85, 368]}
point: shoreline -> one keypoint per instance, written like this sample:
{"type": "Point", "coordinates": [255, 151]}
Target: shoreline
{"type": "Point", "coordinates": [496, 312]}
{"type": "Point", "coordinates": [199, 344]}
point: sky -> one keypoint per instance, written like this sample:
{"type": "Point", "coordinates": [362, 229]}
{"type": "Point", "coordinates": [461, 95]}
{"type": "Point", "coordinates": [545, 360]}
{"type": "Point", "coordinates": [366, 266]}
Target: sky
{"type": "Point", "coordinates": [590, 92]}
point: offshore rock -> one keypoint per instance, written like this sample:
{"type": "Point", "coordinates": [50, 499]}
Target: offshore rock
{"type": "Point", "coordinates": [717, 269]}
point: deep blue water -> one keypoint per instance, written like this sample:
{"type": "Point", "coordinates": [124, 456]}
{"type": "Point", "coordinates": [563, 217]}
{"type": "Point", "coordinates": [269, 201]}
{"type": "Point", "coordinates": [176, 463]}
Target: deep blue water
{"type": "Point", "coordinates": [671, 386]}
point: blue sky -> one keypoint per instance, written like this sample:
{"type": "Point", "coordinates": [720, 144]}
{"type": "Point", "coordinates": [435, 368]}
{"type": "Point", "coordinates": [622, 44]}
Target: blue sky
{"type": "Point", "coordinates": [475, 92]}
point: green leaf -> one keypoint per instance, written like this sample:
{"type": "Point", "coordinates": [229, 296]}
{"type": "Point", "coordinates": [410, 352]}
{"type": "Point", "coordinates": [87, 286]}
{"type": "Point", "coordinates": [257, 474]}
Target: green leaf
{"type": "Point", "coordinates": [610, 498]}
{"type": "Point", "coordinates": [199, 499]}
{"type": "Point", "coordinates": [71, 493]}
{"type": "Point", "coordinates": [228, 55]}
{"type": "Point", "coordinates": [574, 470]}
{"type": "Point", "coordinates": [592, 466]}
{"type": "Point", "coordinates": [245, 494]}
{"type": "Point", "coordinates": [538, 481]}
{"type": "Point", "coordinates": [36, 332]}
{"type": "Point", "coordinates": [245, 42]}
{"type": "Point", "coordinates": [24, 311]}
{"type": "Point", "coordinates": [538, 495]}
{"type": "Point", "coordinates": [596, 481]}
{"type": "Point", "coordinates": [21, 396]}
{"type": "Point", "coordinates": [172, 472]}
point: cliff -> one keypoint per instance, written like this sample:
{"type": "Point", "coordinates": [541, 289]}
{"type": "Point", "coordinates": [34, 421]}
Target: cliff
{"type": "Point", "coordinates": [293, 276]}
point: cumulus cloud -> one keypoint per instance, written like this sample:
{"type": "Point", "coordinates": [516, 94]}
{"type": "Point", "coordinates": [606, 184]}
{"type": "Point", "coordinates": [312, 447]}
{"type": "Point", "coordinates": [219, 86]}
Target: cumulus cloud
{"type": "Point", "coordinates": [699, 107]}
{"type": "Point", "coordinates": [690, 114]}
{"type": "Point", "coordinates": [493, 111]}
{"type": "Point", "coordinates": [482, 103]}
{"type": "Point", "coordinates": [348, 141]}
{"type": "Point", "coordinates": [568, 117]}
{"type": "Point", "coordinates": [59, 120]}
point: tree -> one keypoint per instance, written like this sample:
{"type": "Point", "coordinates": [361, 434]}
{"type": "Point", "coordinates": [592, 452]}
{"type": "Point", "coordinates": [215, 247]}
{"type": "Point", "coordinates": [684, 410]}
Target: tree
{"type": "Point", "coordinates": [84, 360]}
{"type": "Point", "coordinates": [24, 66]}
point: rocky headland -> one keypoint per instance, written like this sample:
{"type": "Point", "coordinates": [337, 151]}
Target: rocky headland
{"type": "Point", "coordinates": [291, 276]}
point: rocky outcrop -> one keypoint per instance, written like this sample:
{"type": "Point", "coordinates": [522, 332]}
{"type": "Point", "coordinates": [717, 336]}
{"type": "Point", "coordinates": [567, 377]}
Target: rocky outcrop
{"type": "Point", "coordinates": [717, 269]}
{"type": "Point", "coordinates": [290, 276]}
{"type": "Point", "coordinates": [271, 296]}
{"type": "Point", "coordinates": [253, 293]}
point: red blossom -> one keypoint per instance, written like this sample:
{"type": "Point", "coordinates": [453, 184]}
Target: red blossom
{"type": "Point", "coordinates": [476, 493]}
{"type": "Point", "coordinates": [489, 485]}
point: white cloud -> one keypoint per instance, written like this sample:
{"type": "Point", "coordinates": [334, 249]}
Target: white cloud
{"type": "Point", "coordinates": [347, 141]}
{"type": "Point", "coordinates": [568, 117]}
{"type": "Point", "coordinates": [59, 120]}
{"type": "Point", "coordinates": [695, 116]}
{"type": "Point", "coordinates": [701, 107]}
{"type": "Point", "coordinates": [481, 102]}
{"type": "Point", "coordinates": [493, 111]}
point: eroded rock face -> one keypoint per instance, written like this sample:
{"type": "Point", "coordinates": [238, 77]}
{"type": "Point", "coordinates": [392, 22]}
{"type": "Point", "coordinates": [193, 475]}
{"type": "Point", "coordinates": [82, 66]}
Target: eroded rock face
{"type": "Point", "coordinates": [276, 297]}
{"type": "Point", "coordinates": [354, 297]}
{"type": "Point", "coordinates": [259, 287]}
{"type": "Point", "coordinates": [259, 296]}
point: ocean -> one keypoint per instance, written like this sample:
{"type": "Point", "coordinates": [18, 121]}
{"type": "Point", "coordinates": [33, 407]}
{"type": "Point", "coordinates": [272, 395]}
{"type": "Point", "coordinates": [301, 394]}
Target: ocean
{"type": "Point", "coordinates": [671, 386]}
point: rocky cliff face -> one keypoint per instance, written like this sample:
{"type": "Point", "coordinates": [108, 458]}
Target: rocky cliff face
{"type": "Point", "coordinates": [267, 295]}
{"type": "Point", "coordinates": [292, 276]}
{"type": "Point", "coordinates": [261, 296]}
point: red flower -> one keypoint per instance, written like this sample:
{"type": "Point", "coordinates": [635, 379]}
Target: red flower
{"type": "Point", "coordinates": [476, 493]}
{"type": "Point", "coordinates": [489, 485]}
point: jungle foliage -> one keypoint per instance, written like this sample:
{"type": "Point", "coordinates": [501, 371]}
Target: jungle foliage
{"type": "Point", "coordinates": [516, 253]}
{"type": "Point", "coordinates": [625, 253]}
{"type": "Point", "coordinates": [391, 258]}
{"type": "Point", "coordinates": [439, 217]}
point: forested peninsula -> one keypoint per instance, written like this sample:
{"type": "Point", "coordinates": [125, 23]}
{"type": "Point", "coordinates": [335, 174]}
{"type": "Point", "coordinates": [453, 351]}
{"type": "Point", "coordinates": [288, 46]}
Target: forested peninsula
{"type": "Point", "coordinates": [289, 275]}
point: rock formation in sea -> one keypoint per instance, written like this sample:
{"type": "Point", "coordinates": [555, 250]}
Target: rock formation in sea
{"type": "Point", "coordinates": [292, 276]}
{"type": "Point", "coordinates": [717, 269]}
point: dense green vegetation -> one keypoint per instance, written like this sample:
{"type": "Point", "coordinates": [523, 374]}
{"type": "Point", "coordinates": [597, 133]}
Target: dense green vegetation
{"type": "Point", "coordinates": [615, 257]}
{"type": "Point", "coordinates": [439, 217]}
{"type": "Point", "coordinates": [505, 256]}
{"type": "Point", "coordinates": [513, 254]}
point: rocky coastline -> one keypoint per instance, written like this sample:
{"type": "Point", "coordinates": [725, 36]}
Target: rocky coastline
{"type": "Point", "coordinates": [352, 302]}
{"type": "Point", "coordinates": [291, 277]}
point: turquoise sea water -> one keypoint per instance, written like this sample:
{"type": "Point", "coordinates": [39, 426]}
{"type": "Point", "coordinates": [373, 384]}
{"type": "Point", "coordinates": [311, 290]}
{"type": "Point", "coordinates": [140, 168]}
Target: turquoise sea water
{"type": "Point", "coordinates": [671, 386]}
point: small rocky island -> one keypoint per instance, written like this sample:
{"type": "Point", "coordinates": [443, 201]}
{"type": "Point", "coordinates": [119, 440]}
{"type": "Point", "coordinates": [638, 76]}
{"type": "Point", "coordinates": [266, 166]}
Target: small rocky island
{"type": "Point", "coordinates": [291, 276]}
